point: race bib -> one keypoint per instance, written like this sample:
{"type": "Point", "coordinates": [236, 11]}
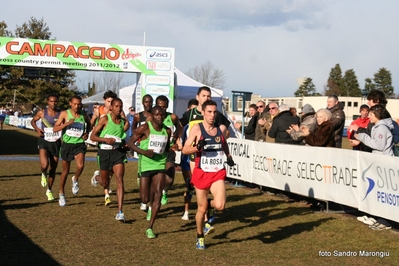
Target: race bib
{"type": "Point", "coordinates": [157, 143]}
{"type": "Point", "coordinates": [51, 136]}
{"type": "Point", "coordinates": [116, 144]}
{"type": "Point", "coordinates": [89, 141]}
{"type": "Point", "coordinates": [75, 130]}
{"type": "Point", "coordinates": [212, 161]}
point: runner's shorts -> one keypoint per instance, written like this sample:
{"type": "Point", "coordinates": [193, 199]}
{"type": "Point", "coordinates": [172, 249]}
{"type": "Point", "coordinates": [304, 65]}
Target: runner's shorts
{"type": "Point", "coordinates": [151, 173]}
{"type": "Point", "coordinates": [170, 157]}
{"type": "Point", "coordinates": [107, 159]}
{"type": "Point", "coordinates": [204, 180]}
{"type": "Point", "coordinates": [69, 151]}
{"type": "Point", "coordinates": [53, 148]}
{"type": "Point", "coordinates": [185, 162]}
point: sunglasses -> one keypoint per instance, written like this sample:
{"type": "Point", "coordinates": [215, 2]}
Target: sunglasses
{"type": "Point", "coordinates": [272, 108]}
{"type": "Point", "coordinates": [261, 106]}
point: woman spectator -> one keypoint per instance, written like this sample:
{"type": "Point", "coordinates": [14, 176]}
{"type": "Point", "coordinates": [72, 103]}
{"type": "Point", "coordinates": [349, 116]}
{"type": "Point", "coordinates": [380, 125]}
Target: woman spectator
{"type": "Point", "coordinates": [323, 136]}
{"type": "Point", "coordinates": [308, 119]}
{"type": "Point", "coordinates": [380, 138]}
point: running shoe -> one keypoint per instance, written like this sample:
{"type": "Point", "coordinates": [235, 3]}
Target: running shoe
{"type": "Point", "coordinates": [185, 216]}
{"type": "Point", "coordinates": [94, 181]}
{"type": "Point", "coordinates": [44, 180]}
{"type": "Point", "coordinates": [164, 199]}
{"type": "Point", "coordinates": [148, 215]}
{"type": "Point", "coordinates": [143, 206]}
{"type": "Point", "coordinates": [200, 243]}
{"type": "Point", "coordinates": [107, 201]}
{"type": "Point", "coordinates": [211, 215]}
{"type": "Point", "coordinates": [75, 186]}
{"type": "Point", "coordinates": [49, 195]}
{"type": "Point", "coordinates": [61, 200]}
{"type": "Point", "coordinates": [150, 233]}
{"type": "Point", "coordinates": [208, 229]}
{"type": "Point", "coordinates": [120, 217]}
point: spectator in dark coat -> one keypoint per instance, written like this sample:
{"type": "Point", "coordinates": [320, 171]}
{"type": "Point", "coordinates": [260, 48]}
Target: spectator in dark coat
{"type": "Point", "coordinates": [324, 133]}
{"type": "Point", "coordinates": [250, 128]}
{"type": "Point", "coordinates": [281, 123]}
{"type": "Point", "coordinates": [337, 118]}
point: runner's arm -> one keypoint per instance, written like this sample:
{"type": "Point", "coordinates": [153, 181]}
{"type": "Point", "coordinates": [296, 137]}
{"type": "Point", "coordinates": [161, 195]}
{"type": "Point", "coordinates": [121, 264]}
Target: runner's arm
{"type": "Point", "coordinates": [61, 122]}
{"type": "Point", "coordinates": [190, 146]}
{"type": "Point", "coordinates": [36, 118]}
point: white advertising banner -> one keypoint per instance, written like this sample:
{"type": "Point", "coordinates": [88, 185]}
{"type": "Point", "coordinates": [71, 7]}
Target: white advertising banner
{"type": "Point", "coordinates": [343, 176]}
{"type": "Point", "coordinates": [379, 185]}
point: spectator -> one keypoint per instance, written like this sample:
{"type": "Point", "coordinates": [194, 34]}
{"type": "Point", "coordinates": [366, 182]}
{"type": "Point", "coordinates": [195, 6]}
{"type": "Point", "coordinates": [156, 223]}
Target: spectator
{"type": "Point", "coordinates": [362, 121]}
{"type": "Point", "coordinates": [263, 115]}
{"type": "Point", "coordinates": [380, 139]}
{"type": "Point", "coordinates": [273, 111]}
{"type": "Point", "coordinates": [251, 127]}
{"type": "Point", "coordinates": [281, 122]}
{"type": "Point", "coordinates": [337, 117]}
{"type": "Point", "coordinates": [323, 136]}
{"type": "Point", "coordinates": [308, 120]}
{"type": "Point", "coordinates": [3, 113]}
{"type": "Point", "coordinates": [294, 111]}
{"type": "Point", "coordinates": [373, 98]}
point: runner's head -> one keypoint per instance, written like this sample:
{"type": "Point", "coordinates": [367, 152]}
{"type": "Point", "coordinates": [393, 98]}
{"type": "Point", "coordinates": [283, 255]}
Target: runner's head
{"type": "Point", "coordinates": [192, 103]}
{"type": "Point", "coordinates": [116, 106]}
{"type": "Point", "coordinates": [76, 103]}
{"type": "Point", "coordinates": [108, 97]}
{"type": "Point", "coordinates": [158, 115]}
{"type": "Point", "coordinates": [209, 111]}
{"type": "Point", "coordinates": [162, 101]}
{"type": "Point", "coordinates": [52, 101]}
{"type": "Point", "coordinates": [203, 94]}
{"type": "Point", "coordinates": [147, 102]}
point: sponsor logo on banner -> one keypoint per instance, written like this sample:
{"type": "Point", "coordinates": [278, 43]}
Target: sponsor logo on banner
{"type": "Point", "coordinates": [159, 54]}
{"type": "Point", "coordinates": [384, 181]}
{"type": "Point", "coordinates": [129, 54]}
{"type": "Point", "coordinates": [156, 65]}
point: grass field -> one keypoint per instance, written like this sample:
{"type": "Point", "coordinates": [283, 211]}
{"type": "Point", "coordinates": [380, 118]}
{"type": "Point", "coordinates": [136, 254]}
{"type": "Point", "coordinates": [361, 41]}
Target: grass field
{"type": "Point", "coordinates": [255, 229]}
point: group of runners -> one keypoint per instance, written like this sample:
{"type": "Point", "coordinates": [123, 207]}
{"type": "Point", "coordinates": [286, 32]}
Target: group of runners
{"type": "Point", "coordinates": [200, 135]}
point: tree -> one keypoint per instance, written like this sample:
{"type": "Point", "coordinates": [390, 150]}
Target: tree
{"type": "Point", "coordinates": [383, 81]}
{"type": "Point", "coordinates": [34, 29]}
{"type": "Point", "coordinates": [335, 82]}
{"type": "Point", "coordinates": [101, 81]}
{"type": "Point", "coordinates": [3, 30]}
{"type": "Point", "coordinates": [368, 86]}
{"type": "Point", "coordinates": [209, 75]}
{"type": "Point", "coordinates": [351, 84]}
{"type": "Point", "coordinates": [34, 84]}
{"type": "Point", "coordinates": [307, 88]}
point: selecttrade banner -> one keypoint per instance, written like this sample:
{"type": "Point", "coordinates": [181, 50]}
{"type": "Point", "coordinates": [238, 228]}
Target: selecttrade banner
{"type": "Point", "coordinates": [155, 63]}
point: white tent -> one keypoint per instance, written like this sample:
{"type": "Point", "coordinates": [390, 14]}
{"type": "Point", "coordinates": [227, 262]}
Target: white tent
{"type": "Point", "coordinates": [126, 95]}
{"type": "Point", "coordinates": [186, 90]}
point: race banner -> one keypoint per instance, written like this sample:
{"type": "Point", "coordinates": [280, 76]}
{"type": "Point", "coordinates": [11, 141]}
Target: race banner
{"type": "Point", "coordinates": [365, 181]}
{"type": "Point", "coordinates": [156, 64]}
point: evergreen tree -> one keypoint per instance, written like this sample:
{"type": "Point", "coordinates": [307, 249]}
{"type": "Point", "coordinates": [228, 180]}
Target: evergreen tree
{"type": "Point", "coordinates": [34, 84]}
{"type": "Point", "coordinates": [335, 82]}
{"type": "Point", "coordinates": [368, 86]}
{"type": "Point", "coordinates": [307, 88]}
{"type": "Point", "coordinates": [351, 84]}
{"type": "Point", "coordinates": [383, 81]}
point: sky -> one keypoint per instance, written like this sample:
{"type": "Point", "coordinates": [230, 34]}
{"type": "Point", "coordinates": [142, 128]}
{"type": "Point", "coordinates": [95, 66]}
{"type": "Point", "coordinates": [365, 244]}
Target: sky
{"type": "Point", "coordinates": [262, 46]}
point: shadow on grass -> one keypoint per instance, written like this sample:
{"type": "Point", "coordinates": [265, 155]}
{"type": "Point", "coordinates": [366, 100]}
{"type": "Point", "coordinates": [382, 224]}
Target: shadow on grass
{"type": "Point", "coordinates": [14, 141]}
{"type": "Point", "coordinates": [16, 248]}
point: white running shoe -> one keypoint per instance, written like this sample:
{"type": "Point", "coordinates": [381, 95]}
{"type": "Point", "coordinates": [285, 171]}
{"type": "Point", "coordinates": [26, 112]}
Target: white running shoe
{"type": "Point", "coordinates": [75, 186]}
{"type": "Point", "coordinates": [61, 200]}
{"type": "Point", "coordinates": [185, 216]}
{"type": "Point", "coordinates": [143, 206]}
{"type": "Point", "coordinates": [94, 181]}
{"type": "Point", "coordinates": [120, 217]}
